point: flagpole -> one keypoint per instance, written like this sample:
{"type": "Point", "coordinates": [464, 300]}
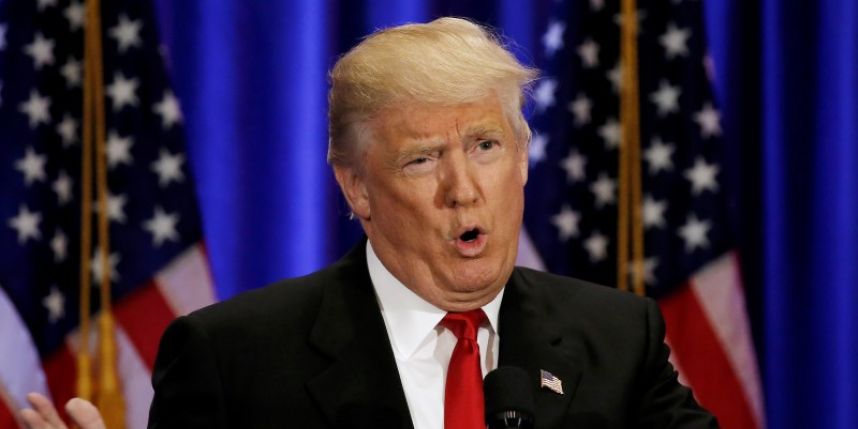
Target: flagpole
{"type": "Point", "coordinates": [629, 219]}
{"type": "Point", "coordinates": [109, 398]}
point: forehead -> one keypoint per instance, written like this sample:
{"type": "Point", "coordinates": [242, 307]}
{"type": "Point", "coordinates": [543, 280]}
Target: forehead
{"type": "Point", "coordinates": [420, 120]}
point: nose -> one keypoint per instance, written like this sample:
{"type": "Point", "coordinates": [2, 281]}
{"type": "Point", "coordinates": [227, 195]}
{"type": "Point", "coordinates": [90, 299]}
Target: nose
{"type": "Point", "coordinates": [459, 184]}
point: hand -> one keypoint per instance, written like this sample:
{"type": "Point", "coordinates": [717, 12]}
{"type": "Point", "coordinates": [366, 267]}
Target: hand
{"type": "Point", "coordinates": [43, 415]}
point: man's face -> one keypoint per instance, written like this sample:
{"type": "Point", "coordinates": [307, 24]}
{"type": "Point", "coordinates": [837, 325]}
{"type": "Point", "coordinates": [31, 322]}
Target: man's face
{"type": "Point", "coordinates": [441, 198]}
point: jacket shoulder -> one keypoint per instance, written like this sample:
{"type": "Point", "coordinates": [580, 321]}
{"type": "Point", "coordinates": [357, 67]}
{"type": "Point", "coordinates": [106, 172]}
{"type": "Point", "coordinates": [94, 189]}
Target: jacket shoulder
{"type": "Point", "coordinates": [290, 305]}
{"type": "Point", "coordinates": [564, 292]}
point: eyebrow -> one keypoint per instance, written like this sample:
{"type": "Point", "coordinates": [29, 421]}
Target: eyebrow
{"type": "Point", "coordinates": [423, 147]}
{"type": "Point", "coordinates": [482, 129]}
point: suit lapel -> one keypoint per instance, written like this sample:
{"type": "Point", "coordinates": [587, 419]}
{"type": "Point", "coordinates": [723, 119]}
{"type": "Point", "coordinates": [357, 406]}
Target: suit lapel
{"type": "Point", "coordinates": [531, 340]}
{"type": "Point", "coordinates": [361, 387]}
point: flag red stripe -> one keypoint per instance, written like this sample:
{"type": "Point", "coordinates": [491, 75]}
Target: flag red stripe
{"type": "Point", "coordinates": [144, 315]}
{"type": "Point", "coordinates": [61, 372]}
{"type": "Point", "coordinates": [703, 361]}
{"type": "Point", "coordinates": [7, 415]}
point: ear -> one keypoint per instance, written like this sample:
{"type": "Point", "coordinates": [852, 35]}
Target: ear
{"type": "Point", "coordinates": [354, 189]}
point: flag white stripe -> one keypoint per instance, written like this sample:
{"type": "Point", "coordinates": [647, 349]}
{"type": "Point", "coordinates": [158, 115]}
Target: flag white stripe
{"type": "Point", "coordinates": [136, 382]}
{"type": "Point", "coordinates": [527, 254]}
{"type": "Point", "coordinates": [719, 291]}
{"type": "Point", "coordinates": [20, 367]}
{"type": "Point", "coordinates": [186, 283]}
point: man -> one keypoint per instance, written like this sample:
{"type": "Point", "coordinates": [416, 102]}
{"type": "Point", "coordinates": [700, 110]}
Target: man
{"type": "Point", "coordinates": [429, 146]}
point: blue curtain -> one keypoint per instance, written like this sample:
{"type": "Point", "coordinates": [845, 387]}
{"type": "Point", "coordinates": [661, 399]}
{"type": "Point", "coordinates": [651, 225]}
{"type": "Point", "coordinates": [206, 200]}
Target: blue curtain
{"type": "Point", "coordinates": [251, 75]}
{"type": "Point", "coordinates": [810, 208]}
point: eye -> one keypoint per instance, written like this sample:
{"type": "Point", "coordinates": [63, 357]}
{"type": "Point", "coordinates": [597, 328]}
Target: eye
{"type": "Point", "coordinates": [419, 165]}
{"type": "Point", "coordinates": [486, 145]}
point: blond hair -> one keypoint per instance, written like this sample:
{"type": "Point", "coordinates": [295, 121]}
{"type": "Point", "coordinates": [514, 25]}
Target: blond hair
{"type": "Point", "coordinates": [447, 61]}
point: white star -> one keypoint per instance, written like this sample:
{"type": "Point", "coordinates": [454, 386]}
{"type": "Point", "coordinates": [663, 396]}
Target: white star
{"type": "Point", "coordinates": [597, 5]}
{"type": "Point", "coordinates": [589, 53]}
{"type": "Point", "coordinates": [566, 223]}
{"type": "Point", "coordinates": [553, 38]}
{"type": "Point", "coordinates": [97, 269]}
{"type": "Point", "coordinates": [37, 109]}
{"type": "Point", "coordinates": [115, 207]}
{"type": "Point", "coordinates": [604, 190]}
{"type": "Point", "coordinates": [597, 247]}
{"type": "Point", "coordinates": [76, 15]}
{"type": "Point", "coordinates": [675, 41]}
{"type": "Point", "coordinates": [72, 73]}
{"type": "Point", "coordinates": [32, 165]}
{"type": "Point", "coordinates": [574, 164]}
{"type": "Point", "coordinates": [118, 150]}
{"type": "Point", "coordinates": [2, 37]}
{"type": "Point", "coordinates": [42, 51]}
{"type": "Point", "coordinates": [694, 233]}
{"type": "Point", "coordinates": [649, 265]}
{"type": "Point", "coordinates": [59, 245]}
{"type": "Point", "coordinates": [536, 151]}
{"type": "Point", "coordinates": [611, 133]}
{"type": "Point", "coordinates": [658, 156]}
{"type": "Point", "coordinates": [168, 167]}
{"type": "Point", "coordinates": [44, 4]}
{"type": "Point", "coordinates": [162, 226]}
{"type": "Point", "coordinates": [709, 120]}
{"type": "Point", "coordinates": [544, 94]}
{"type": "Point", "coordinates": [702, 176]}
{"type": "Point", "coordinates": [126, 33]}
{"type": "Point", "coordinates": [169, 110]}
{"type": "Point", "coordinates": [67, 129]}
{"type": "Point", "coordinates": [653, 212]}
{"type": "Point", "coordinates": [54, 302]}
{"type": "Point", "coordinates": [122, 91]}
{"type": "Point", "coordinates": [581, 107]}
{"type": "Point", "coordinates": [63, 187]}
{"type": "Point", "coordinates": [26, 223]}
{"type": "Point", "coordinates": [615, 75]}
{"type": "Point", "coordinates": [666, 98]}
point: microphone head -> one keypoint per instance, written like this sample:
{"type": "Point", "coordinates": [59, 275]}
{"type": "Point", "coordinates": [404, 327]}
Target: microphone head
{"type": "Point", "coordinates": [509, 398]}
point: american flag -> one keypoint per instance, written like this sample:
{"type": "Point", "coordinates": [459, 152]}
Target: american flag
{"type": "Point", "coordinates": [689, 263]}
{"type": "Point", "coordinates": [550, 381]}
{"type": "Point", "coordinates": [157, 258]}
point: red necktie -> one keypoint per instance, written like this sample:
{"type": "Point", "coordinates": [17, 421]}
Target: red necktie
{"type": "Point", "coordinates": [463, 395]}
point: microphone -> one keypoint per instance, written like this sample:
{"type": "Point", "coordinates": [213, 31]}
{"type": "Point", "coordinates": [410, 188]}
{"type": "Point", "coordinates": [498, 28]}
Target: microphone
{"type": "Point", "coordinates": [509, 399]}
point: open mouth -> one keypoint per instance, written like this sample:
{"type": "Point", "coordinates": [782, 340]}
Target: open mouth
{"type": "Point", "coordinates": [471, 242]}
{"type": "Point", "coordinates": [470, 235]}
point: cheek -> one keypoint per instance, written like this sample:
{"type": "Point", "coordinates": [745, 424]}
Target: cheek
{"type": "Point", "coordinates": [403, 209]}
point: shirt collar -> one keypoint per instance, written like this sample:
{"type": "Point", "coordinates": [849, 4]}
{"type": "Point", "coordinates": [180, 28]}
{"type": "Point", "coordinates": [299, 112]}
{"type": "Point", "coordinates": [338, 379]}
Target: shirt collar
{"type": "Point", "coordinates": [410, 319]}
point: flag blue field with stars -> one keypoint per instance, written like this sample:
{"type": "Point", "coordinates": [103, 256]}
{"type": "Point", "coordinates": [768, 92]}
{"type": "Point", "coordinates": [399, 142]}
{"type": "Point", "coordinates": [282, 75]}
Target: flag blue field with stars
{"type": "Point", "coordinates": [155, 229]}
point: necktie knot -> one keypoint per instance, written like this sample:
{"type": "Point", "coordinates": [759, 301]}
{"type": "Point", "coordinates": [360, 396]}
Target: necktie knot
{"type": "Point", "coordinates": [464, 325]}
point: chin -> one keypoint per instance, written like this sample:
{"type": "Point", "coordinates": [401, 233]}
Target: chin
{"type": "Point", "coordinates": [477, 278]}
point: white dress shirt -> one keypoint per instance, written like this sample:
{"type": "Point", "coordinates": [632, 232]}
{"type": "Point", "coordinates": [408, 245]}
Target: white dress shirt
{"type": "Point", "coordinates": [421, 346]}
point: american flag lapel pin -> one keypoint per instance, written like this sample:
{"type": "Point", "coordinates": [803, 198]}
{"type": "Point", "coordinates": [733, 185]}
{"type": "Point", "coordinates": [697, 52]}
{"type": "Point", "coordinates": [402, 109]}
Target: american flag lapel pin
{"type": "Point", "coordinates": [549, 380]}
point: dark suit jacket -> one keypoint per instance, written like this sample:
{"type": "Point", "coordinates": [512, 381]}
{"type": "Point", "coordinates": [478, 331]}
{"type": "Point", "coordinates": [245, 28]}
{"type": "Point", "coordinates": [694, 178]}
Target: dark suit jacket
{"type": "Point", "coordinates": [313, 352]}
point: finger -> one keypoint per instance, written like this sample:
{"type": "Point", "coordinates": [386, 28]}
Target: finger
{"type": "Point", "coordinates": [84, 414]}
{"type": "Point", "coordinates": [33, 420]}
{"type": "Point", "coordinates": [45, 407]}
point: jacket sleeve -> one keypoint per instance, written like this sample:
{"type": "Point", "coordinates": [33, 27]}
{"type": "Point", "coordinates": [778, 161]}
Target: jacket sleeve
{"type": "Point", "coordinates": [664, 402]}
{"type": "Point", "coordinates": [188, 389]}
